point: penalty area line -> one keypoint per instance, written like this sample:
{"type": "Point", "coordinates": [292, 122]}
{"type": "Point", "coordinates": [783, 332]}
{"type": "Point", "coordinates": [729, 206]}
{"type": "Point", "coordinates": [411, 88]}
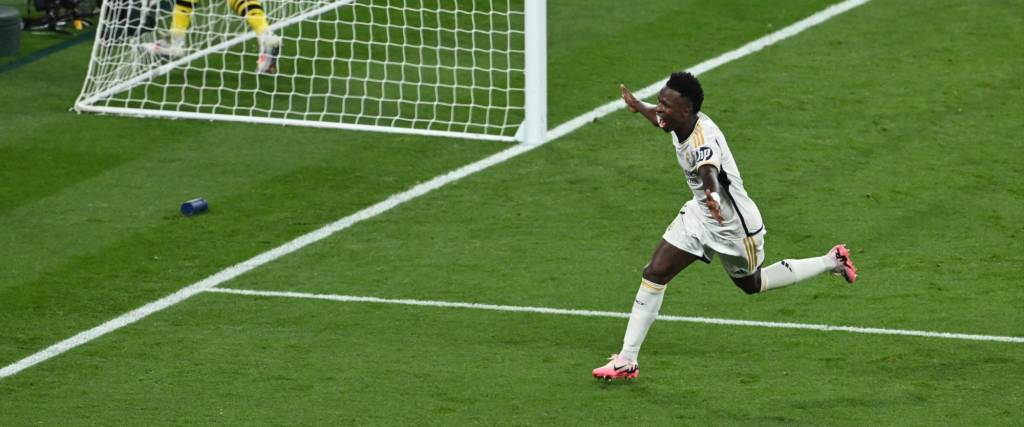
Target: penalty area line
{"type": "Point", "coordinates": [593, 313]}
{"type": "Point", "coordinates": [407, 195]}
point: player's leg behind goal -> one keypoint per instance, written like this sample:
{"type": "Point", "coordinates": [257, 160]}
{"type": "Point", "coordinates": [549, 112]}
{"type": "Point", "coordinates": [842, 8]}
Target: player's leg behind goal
{"type": "Point", "coordinates": [181, 18]}
{"type": "Point", "coordinates": [270, 44]}
{"type": "Point", "coordinates": [174, 45]}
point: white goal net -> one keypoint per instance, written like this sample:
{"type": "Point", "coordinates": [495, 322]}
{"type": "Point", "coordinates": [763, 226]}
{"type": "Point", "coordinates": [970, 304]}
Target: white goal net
{"type": "Point", "coordinates": [436, 67]}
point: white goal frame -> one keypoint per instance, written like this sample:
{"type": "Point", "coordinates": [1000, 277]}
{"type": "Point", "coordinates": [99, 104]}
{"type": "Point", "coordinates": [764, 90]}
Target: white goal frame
{"type": "Point", "coordinates": [533, 129]}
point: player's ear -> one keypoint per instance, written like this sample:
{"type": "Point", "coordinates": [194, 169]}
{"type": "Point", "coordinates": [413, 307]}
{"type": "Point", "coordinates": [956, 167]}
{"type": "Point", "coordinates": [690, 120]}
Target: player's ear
{"type": "Point", "coordinates": [685, 105]}
{"type": "Point", "coordinates": [685, 109]}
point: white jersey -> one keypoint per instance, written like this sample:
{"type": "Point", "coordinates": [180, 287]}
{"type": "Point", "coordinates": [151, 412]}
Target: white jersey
{"type": "Point", "coordinates": [706, 146]}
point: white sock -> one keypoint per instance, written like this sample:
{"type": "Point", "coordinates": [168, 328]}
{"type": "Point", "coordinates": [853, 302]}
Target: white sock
{"type": "Point", "coordinates": [268, 40]}
{"type": "Point", "coordinates": [177, 38]}
{"type": "Point", "coordinates": [790, 271]}
{"type": "Point", "coordinates": [645, 310]}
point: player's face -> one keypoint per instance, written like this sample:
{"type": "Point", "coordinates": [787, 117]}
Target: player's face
{"type": "Point", "coordinates": [673, 110]}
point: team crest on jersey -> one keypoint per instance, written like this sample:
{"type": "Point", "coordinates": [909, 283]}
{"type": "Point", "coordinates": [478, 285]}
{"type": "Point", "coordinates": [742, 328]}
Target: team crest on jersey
{"type": "Point", "coordinates": [702, 154]}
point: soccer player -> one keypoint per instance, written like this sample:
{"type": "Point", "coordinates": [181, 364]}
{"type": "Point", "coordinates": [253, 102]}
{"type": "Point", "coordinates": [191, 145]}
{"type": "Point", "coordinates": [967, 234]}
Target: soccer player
{"type": "Point", "coordinates": [270, 44]}
{"type": "Point", "coordinates": [720, 219]}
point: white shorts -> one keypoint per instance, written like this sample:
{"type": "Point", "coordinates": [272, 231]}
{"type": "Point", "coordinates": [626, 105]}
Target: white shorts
{"type": "Point", "coordinates": [740, 257]}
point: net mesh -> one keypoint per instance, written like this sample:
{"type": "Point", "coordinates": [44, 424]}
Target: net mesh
{"type": "Point", "coordinates": [436, 65]}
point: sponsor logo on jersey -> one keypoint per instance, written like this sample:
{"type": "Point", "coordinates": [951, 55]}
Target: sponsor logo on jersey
{"type": "Point", "coordinates": [703, 153]}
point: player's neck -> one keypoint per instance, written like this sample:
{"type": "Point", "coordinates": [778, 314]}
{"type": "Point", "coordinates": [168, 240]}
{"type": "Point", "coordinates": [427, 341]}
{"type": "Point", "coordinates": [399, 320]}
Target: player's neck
{"type": "Point", "coordinates": [684, 132]}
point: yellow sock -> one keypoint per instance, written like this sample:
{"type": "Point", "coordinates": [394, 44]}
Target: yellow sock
{"type": "Point", "coordinates": [253, 13]}
{"type": "Point", "coordinates": [181, 17]}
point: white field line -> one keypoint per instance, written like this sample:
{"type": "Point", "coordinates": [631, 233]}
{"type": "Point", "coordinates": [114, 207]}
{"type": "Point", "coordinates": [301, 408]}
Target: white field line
{"type": "Point", "coordinates": [400, 198]}
{"type": "Point", "coordinates": [592, 313]}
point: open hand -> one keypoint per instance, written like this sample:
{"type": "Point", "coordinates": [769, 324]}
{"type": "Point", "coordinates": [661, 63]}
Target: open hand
{"type": "Point", "coordinates": [631, 101]}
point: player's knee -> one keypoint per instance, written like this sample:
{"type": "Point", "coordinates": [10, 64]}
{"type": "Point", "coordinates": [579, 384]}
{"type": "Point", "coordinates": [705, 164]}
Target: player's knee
{"type": "Point", "coordinates": [749, 290]}
{"type": "Point", "coordinates": [657, 273]}
{"type": "Point", "coordinates": [749, 285]}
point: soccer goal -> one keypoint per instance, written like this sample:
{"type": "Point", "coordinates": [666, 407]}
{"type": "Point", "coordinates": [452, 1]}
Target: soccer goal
{"type": "Point", "coordinates": [457, 68]}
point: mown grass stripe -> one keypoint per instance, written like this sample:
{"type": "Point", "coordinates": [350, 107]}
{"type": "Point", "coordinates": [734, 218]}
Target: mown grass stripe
{"type": "Point", "coordinates": [47, 51]}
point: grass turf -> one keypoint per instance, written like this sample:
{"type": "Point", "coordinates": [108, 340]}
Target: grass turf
{"type": "Point", "coordinates": [885, 154]}
{"type": "Point", "coordinates": [274, 361]}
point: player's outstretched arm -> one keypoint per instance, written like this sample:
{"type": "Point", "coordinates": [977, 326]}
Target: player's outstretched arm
{"type": "Point", "coordinates": [638, 106]}
{"type": "Point", "coordinates": [709, 176]}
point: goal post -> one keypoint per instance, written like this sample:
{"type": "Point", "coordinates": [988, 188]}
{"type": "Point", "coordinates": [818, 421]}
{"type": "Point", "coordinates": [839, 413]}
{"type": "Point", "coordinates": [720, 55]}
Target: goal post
{"type": "Point", "coordinates": [535, 125]}
{"type": "Point", "coordinates": [457, 68]}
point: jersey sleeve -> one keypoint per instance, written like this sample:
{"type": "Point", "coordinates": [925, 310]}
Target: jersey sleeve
{"type": "Point", "coordinates": [704, 154]}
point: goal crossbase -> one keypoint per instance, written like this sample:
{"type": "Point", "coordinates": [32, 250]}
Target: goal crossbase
{"type": "Point", "coordinates": [142, 112]}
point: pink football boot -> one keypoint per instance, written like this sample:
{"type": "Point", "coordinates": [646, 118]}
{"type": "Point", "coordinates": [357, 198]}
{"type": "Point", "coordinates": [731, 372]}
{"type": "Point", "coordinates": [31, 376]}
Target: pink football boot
{"type": "Point", "coordinates": [844, 266]}
{"type": "Point", "coordinates": [616, 368]}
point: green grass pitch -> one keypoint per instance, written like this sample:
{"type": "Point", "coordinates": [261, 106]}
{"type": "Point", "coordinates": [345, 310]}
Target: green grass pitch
{"type": "Point", "coordinates": [895, 127]}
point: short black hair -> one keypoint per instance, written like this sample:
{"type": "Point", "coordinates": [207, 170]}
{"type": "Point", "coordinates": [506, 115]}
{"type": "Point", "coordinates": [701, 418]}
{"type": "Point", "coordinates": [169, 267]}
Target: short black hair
{"type": "Point", "coordinates": [688, 86]}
